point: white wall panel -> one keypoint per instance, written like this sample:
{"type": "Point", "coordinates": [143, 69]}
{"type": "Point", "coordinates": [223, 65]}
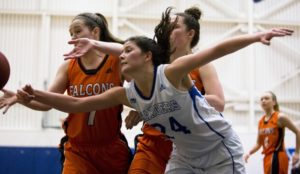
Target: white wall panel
{"type": "Point", "coordinates": [19, 5]}
{"type": "Point", "coordinates": [149, 7]}
{"type": "Point", "coordinates": [289, 13]}
{"type": "Point", "coordinates": [66, 6]}
{"type": "Point", "coordinates": [282, 10]}
{"type": "Point", "coordinates": [133, 27]}
{"type": "Point", "coordinates": [59, 37]}
{"type": "Point", "coordinates": [20, 43]}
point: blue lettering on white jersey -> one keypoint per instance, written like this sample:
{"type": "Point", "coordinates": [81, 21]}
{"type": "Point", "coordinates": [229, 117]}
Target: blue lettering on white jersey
{"type": "Point", "coordinates": [184, 116]}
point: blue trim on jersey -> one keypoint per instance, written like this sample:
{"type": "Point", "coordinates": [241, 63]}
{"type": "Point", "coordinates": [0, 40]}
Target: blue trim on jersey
{"type": "Point", "coordinates": [194, 93]}
{"type": "Point", "coordinates": [230, 156]}
{"type": "Point", "coordinates": [153, 85]}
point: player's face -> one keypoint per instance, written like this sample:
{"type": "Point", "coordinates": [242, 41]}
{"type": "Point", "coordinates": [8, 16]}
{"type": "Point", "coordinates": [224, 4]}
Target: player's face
{"type": "Point", "coordinates": [79, 30]}
{"type": "Point", "coordinates": [266, 101]}
{"type": "Point", "coordinates": [179, 36]}
{"type": "Point", "coordinates": [132, 58]}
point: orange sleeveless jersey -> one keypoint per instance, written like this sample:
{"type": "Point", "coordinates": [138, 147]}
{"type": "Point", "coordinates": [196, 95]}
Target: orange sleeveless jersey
{"type": "Point", "coordinates": [101, 126]}
{"type": "Point", "coordinates": [153, 150]}
{"type": "Point", "coordinates": [271, 137]}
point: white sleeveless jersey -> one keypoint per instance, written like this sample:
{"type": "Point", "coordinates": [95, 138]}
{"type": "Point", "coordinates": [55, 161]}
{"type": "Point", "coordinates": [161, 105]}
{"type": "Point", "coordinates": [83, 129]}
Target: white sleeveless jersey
{"type": "Point", "coordinates": [183, 116]}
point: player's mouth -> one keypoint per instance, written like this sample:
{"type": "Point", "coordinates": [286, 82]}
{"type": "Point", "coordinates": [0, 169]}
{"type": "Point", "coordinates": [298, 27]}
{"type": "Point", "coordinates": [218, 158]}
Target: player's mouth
{"type": "Point", "coordinates": [123, 63]}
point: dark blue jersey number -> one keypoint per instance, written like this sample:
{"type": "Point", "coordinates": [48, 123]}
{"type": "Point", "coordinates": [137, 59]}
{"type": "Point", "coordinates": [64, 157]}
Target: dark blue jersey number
{"type": "Point", "coordinates": [175, 126]}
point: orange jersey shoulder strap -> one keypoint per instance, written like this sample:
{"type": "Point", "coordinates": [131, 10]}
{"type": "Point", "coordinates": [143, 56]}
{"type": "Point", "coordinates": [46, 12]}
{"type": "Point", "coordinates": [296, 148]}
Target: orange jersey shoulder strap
{"type": "Point", "coordinates": [195, 75]}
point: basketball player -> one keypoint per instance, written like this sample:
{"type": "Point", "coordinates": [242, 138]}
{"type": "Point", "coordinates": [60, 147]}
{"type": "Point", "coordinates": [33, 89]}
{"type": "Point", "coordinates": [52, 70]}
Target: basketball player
{"type": "Point", "coordinates": [94, 142]}
{"type": "Point", "coordinates": [153, 150]}
{"type": "Point", "coordinates": [166, 98]}
{"type": "Point", "coordinates": [271, 130]}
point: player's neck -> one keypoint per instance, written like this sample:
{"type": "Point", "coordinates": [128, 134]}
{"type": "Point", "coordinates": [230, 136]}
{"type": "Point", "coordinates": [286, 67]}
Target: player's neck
{"type": "Point", "coordinates": [179, 53]}
{"type": "Point", "coordinates": [144, 80]}
{"type": "Point", "coordinates": [92, 58]}
{"type": "Point", "coordinates": [269, 113]}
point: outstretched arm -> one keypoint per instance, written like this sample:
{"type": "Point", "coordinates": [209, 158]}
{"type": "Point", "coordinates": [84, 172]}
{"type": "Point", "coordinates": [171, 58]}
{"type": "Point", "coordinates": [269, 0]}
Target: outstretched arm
{"type": "Point", "coordinates": [10, 98]}
{"type": "Point", "coordinates": [83, 45]}
{"type": "Point", "coordinates": [254, 149]}
{"type": "Point", "coordinates": [110, 98]}
{"type": "Point", "coordinates": [176, 71]}
{"type": "Point", "coordinates": [59, 85]}
{"type": "Point", "coordinates": [7, 100]}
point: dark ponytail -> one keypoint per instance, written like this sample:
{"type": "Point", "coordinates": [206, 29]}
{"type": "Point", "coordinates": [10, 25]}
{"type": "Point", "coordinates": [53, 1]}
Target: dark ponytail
{"type": "Point", "coordinates": [162, 34]}
{"type": "Point", "coordinates": [159, 46]}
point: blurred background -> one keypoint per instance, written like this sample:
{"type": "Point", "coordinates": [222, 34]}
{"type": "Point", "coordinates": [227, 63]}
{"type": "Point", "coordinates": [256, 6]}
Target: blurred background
{"type": "Point", "coordinates": [34, 36]}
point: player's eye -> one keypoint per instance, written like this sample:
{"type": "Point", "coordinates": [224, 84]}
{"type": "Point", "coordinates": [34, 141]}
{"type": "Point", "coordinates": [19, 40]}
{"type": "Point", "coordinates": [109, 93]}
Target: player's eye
{"type": "Point", "coordinates": [77, 31]}
{"type": "Point", "coordinates": [127, 50]}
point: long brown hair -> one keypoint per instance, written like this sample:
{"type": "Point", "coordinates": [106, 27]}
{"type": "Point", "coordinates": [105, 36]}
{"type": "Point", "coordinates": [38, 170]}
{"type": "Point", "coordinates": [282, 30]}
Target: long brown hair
{"type": "Point", "coordinates": [274, 98]}
{"type": "Point", "coordinates": [93, 20]}
{"type": "Point", "coordinates": [159, 46]}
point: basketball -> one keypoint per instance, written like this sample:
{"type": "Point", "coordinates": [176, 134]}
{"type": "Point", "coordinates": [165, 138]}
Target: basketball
{"type": "Point", "coordinates": [4, 70]}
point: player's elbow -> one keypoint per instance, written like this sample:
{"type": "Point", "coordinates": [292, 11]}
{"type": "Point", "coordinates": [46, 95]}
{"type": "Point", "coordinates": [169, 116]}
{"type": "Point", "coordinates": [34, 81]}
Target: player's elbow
{"type": "Point", "coordinates": [220, 108]}
{"type": "Point", "coordinates": [220, 105]}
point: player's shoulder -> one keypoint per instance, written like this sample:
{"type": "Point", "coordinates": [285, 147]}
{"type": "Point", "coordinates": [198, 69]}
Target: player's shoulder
{"type": "Point", "coordinates": [64, 66]}
{"type": "Point", "coordinates": [261, 120]}
{"type": "Point", "coordinates": [67, 62]}
{"type": "Point", "coordinates": [282, 116]}
{"type": "Point", "coordinates": [112, 58]}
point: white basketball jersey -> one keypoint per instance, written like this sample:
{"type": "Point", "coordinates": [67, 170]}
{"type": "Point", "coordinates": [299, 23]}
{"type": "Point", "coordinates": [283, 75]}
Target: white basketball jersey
{"type": "Point", "coordinates": [184, 116]}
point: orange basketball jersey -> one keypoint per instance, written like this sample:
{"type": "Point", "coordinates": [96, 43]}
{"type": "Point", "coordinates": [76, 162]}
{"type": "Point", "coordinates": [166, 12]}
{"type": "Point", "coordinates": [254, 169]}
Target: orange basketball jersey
{"type": "Point", "coordinates": [96, 127]}
{"type": "Point", "coordinates": [271, 137]}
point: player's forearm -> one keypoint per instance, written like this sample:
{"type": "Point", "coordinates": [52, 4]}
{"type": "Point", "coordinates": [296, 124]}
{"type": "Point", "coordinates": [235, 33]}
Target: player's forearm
{"type": "Point", "coordinates": [235, 43]}
{"type": "Point", "coordinates": [184, 65]}
{"type": "Point", "coordinates": [225, 47]}
{"type": "Point", "coordinates": [37, 106]}
{"type": "Point", "coordinates": [254, 149]}
{"type": "Point", "coordinates": [58, 101]}
{"type": "Point", "coordinates": [108, 47]}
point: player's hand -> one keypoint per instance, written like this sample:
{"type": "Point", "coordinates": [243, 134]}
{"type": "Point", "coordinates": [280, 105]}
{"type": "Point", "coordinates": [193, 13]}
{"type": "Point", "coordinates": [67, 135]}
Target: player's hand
{"type": "Point", "coordinates": [8, 99]}
{"type": "Point", "coordinates": [132, 119]}
{"type": "Point", "coordinates": [25, 95]}
{"type": "Point", "coordinates": [265, 37]}
{"type": "Point", "coordinates": [246, 157]}
{"type": "Point", "coordinates": [295, 159]}
{"type": "Point", "coordinates": [81, 47]}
